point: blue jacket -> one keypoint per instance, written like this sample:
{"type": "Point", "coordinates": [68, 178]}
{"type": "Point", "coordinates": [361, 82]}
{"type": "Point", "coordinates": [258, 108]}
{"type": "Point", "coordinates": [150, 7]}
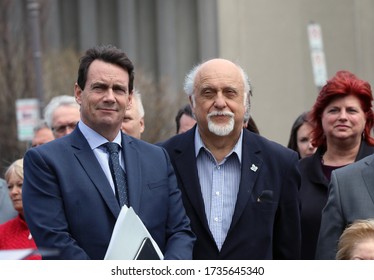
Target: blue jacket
{"type": "Point", "coordinates": [70, 206]}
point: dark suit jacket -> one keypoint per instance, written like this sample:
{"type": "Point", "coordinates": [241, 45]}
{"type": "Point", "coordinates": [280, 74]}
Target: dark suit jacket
{"type": "Point", "coordinates": [313, 195]}
{"type": "Point", "coordinates": [351, 197]}
{"type": "Point", "coordinates": [69, 204]}
{"type": "Point", "coordinates": [266, 220]}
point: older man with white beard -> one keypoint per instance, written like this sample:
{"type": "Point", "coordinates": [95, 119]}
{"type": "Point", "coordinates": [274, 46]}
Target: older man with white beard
{"type": "Point", "coordinates": [240, 190]}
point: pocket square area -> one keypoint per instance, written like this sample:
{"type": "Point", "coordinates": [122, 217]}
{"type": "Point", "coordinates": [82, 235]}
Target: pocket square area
{"type": "Point", "coordinates": [265, 196]}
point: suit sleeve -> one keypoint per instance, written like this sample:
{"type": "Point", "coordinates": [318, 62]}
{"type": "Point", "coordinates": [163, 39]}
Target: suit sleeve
{"type": "Point", "coordinates": [180, 238]}
{"type": "Point", "coordinates": [332, 223]}
{"type": "Point", "coordinates": [287, 230]}
{"type": "Point", "coordinates": [44, 209]}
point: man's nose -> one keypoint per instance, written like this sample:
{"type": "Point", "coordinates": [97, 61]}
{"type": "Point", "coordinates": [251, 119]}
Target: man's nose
{"type": "Point", "coordinates": [220, 100]}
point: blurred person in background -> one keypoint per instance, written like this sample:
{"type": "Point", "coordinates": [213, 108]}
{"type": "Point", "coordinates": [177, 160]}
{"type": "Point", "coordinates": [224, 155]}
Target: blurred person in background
{"type": "Point", "coordinates": [249, 122]}
{"type": "Point", "coordinates": [15, 233]}
{"type": "Point", "coordinates": [342, 119]}
{"type": "Point", "coordinates": [252, 126]}
{"type": "Point", "coordinates": [42, 134]}
{"type": "Point", "coordinates": [300, 139]}
{"type": "Point", "coordinates": [133, 123]}
{"type": "Point", "coordinates": [7, 210]}
{"type": "Point", "coordinates": [62, 115]}
{"type": "Point", "coordinates": [184, 119]}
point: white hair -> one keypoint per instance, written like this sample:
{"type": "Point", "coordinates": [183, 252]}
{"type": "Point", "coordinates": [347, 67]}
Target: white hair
{"type": "Point", "coordinates": [56, 102]}
{"type": "Point", "coordinates": [137, 97]}
{"type": "Point", "coordinates": [189, 84]}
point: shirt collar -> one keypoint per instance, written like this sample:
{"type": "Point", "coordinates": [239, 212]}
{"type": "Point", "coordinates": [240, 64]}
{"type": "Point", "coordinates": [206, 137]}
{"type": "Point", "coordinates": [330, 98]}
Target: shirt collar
{"type": "Point", "coordinates": [199, 144]}
{"type": "Point", "coordinates": [94, 139]}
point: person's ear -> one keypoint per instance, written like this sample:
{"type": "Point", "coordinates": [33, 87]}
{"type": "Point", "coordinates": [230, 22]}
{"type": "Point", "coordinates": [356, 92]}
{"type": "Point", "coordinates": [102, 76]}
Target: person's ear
{"type": "Point", "coordinates": [78, 93]}
{"type": "Point", "coordinates": [142, 126]}
{"type": "Point", "coordinates": [129, 100]}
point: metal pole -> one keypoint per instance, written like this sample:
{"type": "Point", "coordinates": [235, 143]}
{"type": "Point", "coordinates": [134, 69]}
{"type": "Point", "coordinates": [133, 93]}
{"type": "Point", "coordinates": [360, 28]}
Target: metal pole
{"type": "Point", "coordinates": [33, 12]}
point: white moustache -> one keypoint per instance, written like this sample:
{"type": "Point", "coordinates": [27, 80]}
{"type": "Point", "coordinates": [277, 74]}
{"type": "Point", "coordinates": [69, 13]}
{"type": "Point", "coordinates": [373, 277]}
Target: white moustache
{"type": "Point", "coordinates": [220, 113]}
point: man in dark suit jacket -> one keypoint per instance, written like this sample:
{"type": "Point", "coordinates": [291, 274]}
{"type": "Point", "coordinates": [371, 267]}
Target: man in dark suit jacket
{"type": "Point", "coordinates": [351, 197]}
{"type": "Point", "coordinates": [68, 192]}
{"type": "Point", "coordinates": [240, 190]}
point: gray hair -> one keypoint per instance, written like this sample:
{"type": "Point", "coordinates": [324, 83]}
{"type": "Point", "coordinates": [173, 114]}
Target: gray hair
{"type": "Point", "coordinates": [40, 125]}
{"type": "Point", "coordinates": [138, 99]}
{"type": "Point", "coordinates": [189, 84]}
{"type": "Point", "coordinates": [56, 102]}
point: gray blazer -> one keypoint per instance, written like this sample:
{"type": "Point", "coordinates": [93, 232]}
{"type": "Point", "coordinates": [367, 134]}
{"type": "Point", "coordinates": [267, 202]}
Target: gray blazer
{"type": "Point", "coordinates": [351, 197]}
{"type": "Point", "coordinates": [7, 211]}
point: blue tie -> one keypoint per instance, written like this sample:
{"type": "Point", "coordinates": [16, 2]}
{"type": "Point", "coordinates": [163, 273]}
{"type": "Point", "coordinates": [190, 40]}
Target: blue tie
{"type": "Point", "coordinates": [118, 174]}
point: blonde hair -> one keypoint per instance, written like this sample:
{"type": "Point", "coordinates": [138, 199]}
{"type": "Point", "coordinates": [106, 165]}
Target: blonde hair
{"type": "Point", "coordinates": [358, 231]}
{"type": "Point", "coordinates": [15, 168]}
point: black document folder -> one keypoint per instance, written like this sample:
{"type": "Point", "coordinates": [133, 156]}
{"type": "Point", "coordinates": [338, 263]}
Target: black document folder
{"type": "Point", "coordinates": [146, 251]}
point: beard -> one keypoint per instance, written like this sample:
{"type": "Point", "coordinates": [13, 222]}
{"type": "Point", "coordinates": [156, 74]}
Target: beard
{"type": "Point", "coordinates": [221, 129]}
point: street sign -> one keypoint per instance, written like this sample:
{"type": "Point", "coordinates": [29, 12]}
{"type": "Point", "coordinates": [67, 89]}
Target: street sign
{"type": "Point", "coordinates": [317, 54]}
{"type": "Point", "coordinates": [27, 118]}
{"type": "Point", "coordinates": [319, 68]}
{"type": "Point", "coordinates": [315, 36]}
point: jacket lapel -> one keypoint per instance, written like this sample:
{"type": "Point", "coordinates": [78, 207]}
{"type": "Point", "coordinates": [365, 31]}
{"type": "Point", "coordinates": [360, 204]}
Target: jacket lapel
{"type": "Point", "coordinates": [251, 168]}
{"type": "Point", "coordinates": [367, 175]}
{"type": "Point", "coordinates": [316, 173]}
{"type": "Point", "coordinates": [133, 171]}
{"type": "Point", "coordinates": [91, 166]}
{"type": "Point", "coordinates": [185, 164]}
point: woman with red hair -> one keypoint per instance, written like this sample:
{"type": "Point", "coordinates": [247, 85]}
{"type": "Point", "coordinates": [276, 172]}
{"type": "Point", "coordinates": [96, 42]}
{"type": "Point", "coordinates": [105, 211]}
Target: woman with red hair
{"type": "Point", "coordinates": [342, 119]}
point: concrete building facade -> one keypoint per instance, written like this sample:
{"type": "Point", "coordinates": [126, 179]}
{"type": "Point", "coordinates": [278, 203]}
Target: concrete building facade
{"type": "Point", "coordinates": [268, 38]}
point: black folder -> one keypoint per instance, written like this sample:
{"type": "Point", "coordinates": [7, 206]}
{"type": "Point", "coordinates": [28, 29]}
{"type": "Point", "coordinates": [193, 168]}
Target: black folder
{"type": "Point", "coordinates": [146, 251]}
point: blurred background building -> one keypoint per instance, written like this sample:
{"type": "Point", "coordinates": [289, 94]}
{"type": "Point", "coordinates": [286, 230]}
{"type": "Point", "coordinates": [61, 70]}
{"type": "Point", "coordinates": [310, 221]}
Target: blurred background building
{"type": "Point", "coordinates": [165, 38]}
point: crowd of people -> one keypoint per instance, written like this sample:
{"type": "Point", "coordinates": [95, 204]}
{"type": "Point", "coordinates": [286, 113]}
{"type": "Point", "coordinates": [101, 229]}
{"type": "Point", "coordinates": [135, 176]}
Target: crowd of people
{"type": "Point", "coordinates": [215, 190]}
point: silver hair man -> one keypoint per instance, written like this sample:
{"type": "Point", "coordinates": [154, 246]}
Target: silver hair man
{"type": "Point", "coordinates": [62, 114]}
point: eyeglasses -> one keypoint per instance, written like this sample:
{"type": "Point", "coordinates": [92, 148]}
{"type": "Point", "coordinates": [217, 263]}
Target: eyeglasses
{"type": "Point", "coordinates": [62, 128]}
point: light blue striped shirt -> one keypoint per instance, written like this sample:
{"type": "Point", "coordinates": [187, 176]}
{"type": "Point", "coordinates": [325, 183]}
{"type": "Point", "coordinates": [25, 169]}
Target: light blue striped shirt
{"type": "Point", "coordinates": [219, 186]}
{"type": "Point", "coordinates": [95, 140]}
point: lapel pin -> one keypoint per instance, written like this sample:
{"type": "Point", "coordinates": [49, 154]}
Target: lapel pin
{"type": "Point", "coordinates": [254, 168]}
